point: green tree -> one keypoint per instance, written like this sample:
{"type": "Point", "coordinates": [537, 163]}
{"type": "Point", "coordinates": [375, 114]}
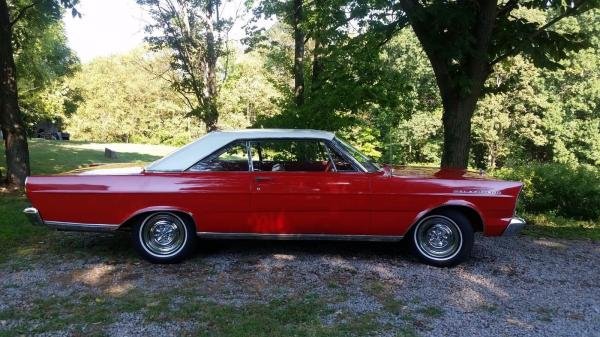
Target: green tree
{"type": "Point", "coordinates": [248, 93]}
{"type": "Point", "coordinates": [329, 59]}
{"type": "Point", "coordinates": [122, 102]}
{"type": "Point", "coordinates": [195, 32]}
{"type": "Point", "coordinates": [511, 121]}
{"type": "Point", "coordinates": [409, 120]}
{"type": "Point", "coordinates": [11, 118]}
{"type": "Point", "coordinates": [530, 113]}
{"type": "Point", "coordinates": [574, 91]}
{"type": "Point", "coordinates": [465, 40]}
{"type": "Point", "coordinates": [43, 61]}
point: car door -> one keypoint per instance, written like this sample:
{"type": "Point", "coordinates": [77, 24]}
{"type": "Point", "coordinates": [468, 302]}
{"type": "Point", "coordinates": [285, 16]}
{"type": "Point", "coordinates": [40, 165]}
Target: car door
{"type": "Point", "coordinates": [219, 187]}
{"type": "Point", "coordinates": [297, 189]}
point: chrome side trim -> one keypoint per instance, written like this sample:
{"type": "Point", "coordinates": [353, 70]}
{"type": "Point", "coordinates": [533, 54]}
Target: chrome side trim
{"type": "Point", "coordinates": [327, 237]}
{"type": "Point", "coordinates": [515, 225]}
{"type": "Point", "coordinates": [34, 216]}
{"type": "Point", "coordinates": [81, 227]}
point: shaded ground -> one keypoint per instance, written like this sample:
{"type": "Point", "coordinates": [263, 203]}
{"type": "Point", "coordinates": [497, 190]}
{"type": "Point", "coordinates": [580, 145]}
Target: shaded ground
{"type": "Point", "coordinates": [92, 284]}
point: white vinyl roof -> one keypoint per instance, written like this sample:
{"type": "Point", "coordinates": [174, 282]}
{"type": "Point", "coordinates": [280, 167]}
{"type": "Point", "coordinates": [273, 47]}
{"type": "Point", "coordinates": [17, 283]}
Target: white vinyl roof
{"type": "Point", "coordinates": [188, 155]}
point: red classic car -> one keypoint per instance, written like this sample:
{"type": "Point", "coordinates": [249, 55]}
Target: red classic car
{"type": "Point", "coordinates": [277, 184]}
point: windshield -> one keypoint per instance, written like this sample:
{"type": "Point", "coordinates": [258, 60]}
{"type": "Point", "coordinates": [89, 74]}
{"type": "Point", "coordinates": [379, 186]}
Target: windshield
{"type": "Point", "coordinates": [365, 161]}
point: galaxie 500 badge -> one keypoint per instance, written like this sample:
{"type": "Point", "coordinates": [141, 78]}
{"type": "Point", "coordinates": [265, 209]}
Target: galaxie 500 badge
{"type": "Point", "coordinates": [475, 191]}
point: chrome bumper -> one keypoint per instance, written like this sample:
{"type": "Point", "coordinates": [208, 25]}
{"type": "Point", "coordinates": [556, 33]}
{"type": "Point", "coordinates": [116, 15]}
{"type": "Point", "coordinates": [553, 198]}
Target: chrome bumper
{"type": "Point", "coordinates": [514, 226]}
{"type": "Point", "coordinates": [34, 216]}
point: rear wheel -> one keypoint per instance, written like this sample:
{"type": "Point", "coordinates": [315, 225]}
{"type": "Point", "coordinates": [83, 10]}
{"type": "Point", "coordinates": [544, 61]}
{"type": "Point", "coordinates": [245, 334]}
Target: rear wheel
{"type": "Point", "coordinates": [443, 239]}
{"type": "Point", "coordinates": [164, 237]}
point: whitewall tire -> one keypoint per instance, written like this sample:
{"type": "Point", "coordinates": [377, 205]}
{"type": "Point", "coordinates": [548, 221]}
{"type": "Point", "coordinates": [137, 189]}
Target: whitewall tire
{"type": "Point", "coordinates": [164, 237]}
{"type": "Point", "coordinates": [443, 238]}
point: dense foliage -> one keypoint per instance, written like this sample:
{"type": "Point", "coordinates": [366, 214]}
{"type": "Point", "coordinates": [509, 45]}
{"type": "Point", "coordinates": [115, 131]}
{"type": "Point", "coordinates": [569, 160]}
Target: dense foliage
{"type": "Point", "coordinates": [118, 101]}
{"type": "Point", "coordinates": [558, 189]}
{"type": "Point", "coordinates": [44, 60]}
{"type": "Point", "coordinates": [193, 32]}
{"type": "Point", "coordinates": [528, 113]}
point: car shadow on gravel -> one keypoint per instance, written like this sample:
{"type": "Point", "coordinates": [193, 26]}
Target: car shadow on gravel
{"type": "Point", "coordinates": [346, 249]}
{"type": "Point", "coordinates": [115, 247]}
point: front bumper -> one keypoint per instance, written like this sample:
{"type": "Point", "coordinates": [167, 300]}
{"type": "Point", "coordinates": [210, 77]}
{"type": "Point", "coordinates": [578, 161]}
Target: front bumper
{"type": "Point", "coordinates": [515, 225]}
{"type": "Point", "coordinates": [34, 216]}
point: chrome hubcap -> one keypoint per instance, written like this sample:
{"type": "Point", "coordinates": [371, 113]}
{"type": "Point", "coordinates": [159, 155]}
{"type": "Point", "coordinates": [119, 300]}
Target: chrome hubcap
{"type": "Point", "coordinates": [163, 234]}
{"type": "Point", "coordinates": [438, 237]}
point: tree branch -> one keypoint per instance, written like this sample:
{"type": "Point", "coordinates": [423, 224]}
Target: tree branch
{"type": "Point", "coordinates": [22, 13]}
{"type": "Point", "coordinates": [483, 30]}
{"type": "Point", "coordinates": [516, 49]}
{"type": "Point", "coordinates": [568, 12]}
{"type": "Point", "coordinates": [171, 81]}
{"type": "Point", "coordinates": [393, 28]}
{"type": "Point", "coordinates": [510, 5]}
{"type": "Point", "coordinates": [413, 10]}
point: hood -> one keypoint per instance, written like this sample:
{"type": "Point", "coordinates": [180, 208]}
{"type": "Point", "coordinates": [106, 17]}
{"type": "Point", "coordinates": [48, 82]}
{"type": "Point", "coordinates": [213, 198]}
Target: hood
{"type": "Point", "coordinates": [108, 169]}
{"type": "Point", "coordinates": [437, 173]}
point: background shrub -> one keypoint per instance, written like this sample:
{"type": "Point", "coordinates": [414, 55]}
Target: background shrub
{"type": "Point", "coordinates": [569, 191]}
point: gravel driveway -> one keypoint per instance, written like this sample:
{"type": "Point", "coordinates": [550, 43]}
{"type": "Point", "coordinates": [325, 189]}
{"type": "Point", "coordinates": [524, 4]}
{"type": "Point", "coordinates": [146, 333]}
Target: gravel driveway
{"type": "Point", "coordinates": [516, 286]}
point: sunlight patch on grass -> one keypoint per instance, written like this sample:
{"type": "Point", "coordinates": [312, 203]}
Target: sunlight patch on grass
{"type": "Point", "coordinates": [143, 149]}
{"type": "Point", "coordinates": [51, 156]}
{"type": "Point", "coordinates": [552, 226]}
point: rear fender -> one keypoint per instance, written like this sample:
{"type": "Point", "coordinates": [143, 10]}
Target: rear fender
{"type": "Point", "coordinates": [155, 209]}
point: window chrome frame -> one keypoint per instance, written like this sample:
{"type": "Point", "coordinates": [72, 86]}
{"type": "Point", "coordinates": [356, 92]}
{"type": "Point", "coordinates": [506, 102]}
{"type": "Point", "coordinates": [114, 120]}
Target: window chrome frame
{"type": "Point", "coordinates": [342, 152]}
{"type": "Point", "coordinates": [329, 144]}
{"type": "Point", "coordinates": [330, 157]}
{"type": "Point", "coordinates": [249, 154]}
{"type": "Point", "coordinates": [220, 151]}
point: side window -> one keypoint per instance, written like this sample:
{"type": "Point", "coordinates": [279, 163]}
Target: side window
{"type": "Point", "coordinates": [341, 164]}
{"type": "Point", "coordinates": [289, 155]}
{"type": "Point", "coordinates": [232, 158]}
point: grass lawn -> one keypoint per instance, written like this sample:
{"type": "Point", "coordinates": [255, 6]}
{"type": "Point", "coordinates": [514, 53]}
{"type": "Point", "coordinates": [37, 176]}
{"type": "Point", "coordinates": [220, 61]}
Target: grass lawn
{"type": "Point", "coordinates": [547, 225]}
{"type": "Point", "coordinates": [49, 156]}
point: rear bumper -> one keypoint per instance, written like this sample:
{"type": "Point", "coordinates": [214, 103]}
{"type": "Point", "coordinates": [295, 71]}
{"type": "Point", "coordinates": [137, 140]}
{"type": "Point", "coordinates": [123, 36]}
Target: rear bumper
{"type": "Point", "coordinates": [35, 218]}
{"type": "Point", "coordinates": [515, 225]}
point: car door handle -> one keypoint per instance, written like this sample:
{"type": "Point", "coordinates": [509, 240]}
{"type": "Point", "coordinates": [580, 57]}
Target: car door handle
{"type": "Point", "coordinates": [261, 179]}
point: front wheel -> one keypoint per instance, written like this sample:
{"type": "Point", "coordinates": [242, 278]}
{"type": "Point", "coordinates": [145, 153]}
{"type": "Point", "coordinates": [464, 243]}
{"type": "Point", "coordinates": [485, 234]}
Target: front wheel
{"type": "Point", "coordinates": [164, 237]}
{"type": "Point", "coordinates": [443, 239]}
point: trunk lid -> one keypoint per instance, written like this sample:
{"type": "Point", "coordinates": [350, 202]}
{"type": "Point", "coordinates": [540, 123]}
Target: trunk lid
{"type": "Point", "coordinates": [108, 169]}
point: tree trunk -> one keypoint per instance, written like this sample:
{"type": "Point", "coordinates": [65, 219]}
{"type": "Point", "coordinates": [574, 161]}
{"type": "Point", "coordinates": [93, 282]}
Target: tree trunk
{"type": "Point", "coordinates": [459, 111]}
{"type": "Point", "coordinates": [11, 121]}
{"type": "Point", "coordinates": [457, 131]}
{"type": "Point", "coordinates": [298, 54]}
{"type": "Point", "coordinates": [317, 67]}
{"type": "Point", "coordinates": [459, 103]}
{"type": "Point", "coordinates": [211, 114]}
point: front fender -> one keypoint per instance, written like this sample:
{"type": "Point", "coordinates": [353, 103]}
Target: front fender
{"type": "Point", "coordinates": [456, 203]}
